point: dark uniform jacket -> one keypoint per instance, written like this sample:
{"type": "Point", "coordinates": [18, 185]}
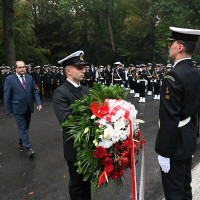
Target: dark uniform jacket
{"type": "Point", "coordinates": [37, 78]}
{"type": "Point", "coordinates": [180, 98]}
{"type": "Point", "coordinates": [47, 77]}
{"type": "Point", "coordinates": [63, 97]}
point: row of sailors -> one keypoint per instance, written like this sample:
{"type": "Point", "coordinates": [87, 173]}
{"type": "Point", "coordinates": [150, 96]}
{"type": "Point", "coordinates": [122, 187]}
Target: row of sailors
{"type": "Point", "coordinates": [47, 78]}
{"type": "Point", "coordinates": [135, 78]}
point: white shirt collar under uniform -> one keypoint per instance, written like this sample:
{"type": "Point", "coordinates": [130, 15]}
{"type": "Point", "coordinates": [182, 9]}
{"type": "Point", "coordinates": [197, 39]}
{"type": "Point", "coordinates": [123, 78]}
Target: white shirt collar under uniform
{"type": "Point", "coordinates": [74, 84]}
{"type": "Point", "coordinates": [180, 61]}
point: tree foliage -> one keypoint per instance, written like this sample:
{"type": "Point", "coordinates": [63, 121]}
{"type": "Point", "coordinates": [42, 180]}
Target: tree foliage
{"type": "Point", "coordinates": [132, 31]}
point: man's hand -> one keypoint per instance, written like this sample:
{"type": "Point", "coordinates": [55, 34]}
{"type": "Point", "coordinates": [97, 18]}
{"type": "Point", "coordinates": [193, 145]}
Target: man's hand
{"type": "Point", "coordinates": [39, 107]}
{"type": "Point", "coordinates": [10, 115]}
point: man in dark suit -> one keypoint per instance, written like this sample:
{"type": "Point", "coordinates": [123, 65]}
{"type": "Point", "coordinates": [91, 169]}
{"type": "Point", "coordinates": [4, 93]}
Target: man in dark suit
{"type": "Point", "coordinates": [93, 74]}
{"type": "Point", "coordinates": [19, 93]}
{"type": "Point", "coordinates": [108, 74]}
{"type": "Point", "coordinates": [2, 79]}
{"type": "Point", "coordinates": [179, 103]}
{"type": "Point", "coordinates": [63, 97]}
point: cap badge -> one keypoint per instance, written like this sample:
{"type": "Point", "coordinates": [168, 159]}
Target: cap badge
{"type": "Point", "coordinates": [81, 57]}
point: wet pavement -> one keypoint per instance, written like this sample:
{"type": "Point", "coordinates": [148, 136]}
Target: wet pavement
{"type": "Point", "coordinates": [46, 176]}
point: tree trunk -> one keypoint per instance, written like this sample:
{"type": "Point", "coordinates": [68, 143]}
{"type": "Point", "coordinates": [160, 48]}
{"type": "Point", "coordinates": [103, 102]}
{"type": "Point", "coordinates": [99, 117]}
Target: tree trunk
{"type": "Point", "coordinates": [109, 24]}
{"type": "Point", "coordinates": [9, 48]}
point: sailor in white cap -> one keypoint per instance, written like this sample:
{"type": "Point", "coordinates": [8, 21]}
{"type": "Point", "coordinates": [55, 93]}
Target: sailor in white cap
{"type": "Point", "coordinates": [118, 74]}
{"type": "Point", "coordinates": [179, 103]}
{"type": "Point", "coordinates": [63, 97]}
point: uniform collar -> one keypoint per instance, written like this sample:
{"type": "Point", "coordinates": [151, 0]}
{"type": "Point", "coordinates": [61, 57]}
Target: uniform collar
{"type": "Point", "coordinates": [74, 84]}
{"type": "Point", "coordinates": [180, 61]}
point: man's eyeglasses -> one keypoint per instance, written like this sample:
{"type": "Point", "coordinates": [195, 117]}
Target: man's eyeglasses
{"type": "Point", "coordinates": [22, 67]}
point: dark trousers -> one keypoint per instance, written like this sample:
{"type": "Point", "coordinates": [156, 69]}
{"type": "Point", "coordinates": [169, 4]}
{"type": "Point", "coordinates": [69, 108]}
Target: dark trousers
{"type": "Point", "coordinates": [150, 86]}
{"type": "Point", "coordinates": [142, 88]}
{"type": "Point", "coordinates": [23, 123]}
{"type": "Point", "coordinates": [176, 183]}
{"type": "Point", "coordinates": [47, 90]}
{"type": "Point", "coordinates": [117, 82]}
{"type": "Point", "coordinates": [53, 87]}
{"type": "Point", "coordinates": [131, 83]}
{"type": "Point", "coordinates": [157, 88]}
{"type": "Point", "coordinates": [1, 92]}
{"type": "Point", "coordinates": [108, 82]}
{"type": "Point", "coordinates": [78, 189]}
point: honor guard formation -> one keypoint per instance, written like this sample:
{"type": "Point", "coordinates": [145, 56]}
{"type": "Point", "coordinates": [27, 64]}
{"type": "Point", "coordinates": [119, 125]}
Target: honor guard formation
{"type": "Point", "coordinates": [139, 80]}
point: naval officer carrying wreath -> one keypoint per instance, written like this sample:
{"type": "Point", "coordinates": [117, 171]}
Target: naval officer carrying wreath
{"type": "Point", "coordinates": [63, 97]}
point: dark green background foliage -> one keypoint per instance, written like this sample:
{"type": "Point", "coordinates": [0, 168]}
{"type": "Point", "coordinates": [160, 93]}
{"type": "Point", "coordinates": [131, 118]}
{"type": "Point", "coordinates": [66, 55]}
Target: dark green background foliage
{"type": "Point", "coordinates": [132, 31]}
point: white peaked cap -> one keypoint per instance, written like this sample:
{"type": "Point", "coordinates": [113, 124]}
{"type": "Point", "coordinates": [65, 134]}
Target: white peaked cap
{"type": "Point", "coordinates": [117, 63]}
{"type": "Point", "coordinates": [185, 30]}
{"type": "Point", "coordinates": [184, 34]}
{"type": "Point", "coordinates": [75, 54]}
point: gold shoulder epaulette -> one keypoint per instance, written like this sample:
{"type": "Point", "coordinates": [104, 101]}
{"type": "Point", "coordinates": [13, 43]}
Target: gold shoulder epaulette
{"type": "Point", "coordinates": [170, 77]}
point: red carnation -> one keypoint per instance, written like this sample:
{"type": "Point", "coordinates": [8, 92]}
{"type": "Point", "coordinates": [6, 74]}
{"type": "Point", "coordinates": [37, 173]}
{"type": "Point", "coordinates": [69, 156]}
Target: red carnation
{"type": "Point", "coordinates": [142, 142]}
{"type": "Point", "coordinates": [125, 153]}
{"type": "Point", "coordinates": [100, 152]}
{"type": "Point", "coordinates": [138, 134]}
{"type": "Point", "coordinates": [125, 160]}
{"type": "Point", "coordinates": [99, 109]}
{"type": "Point", "coordinates": [117, 173]}
{"type": "Point", "coordinates": [125, 144]}
{"type": "Point", "coordinates": [106, 161]}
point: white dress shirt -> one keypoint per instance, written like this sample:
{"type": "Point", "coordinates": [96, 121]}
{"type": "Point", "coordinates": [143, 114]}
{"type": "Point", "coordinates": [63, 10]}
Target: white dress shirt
{"type": "Point", "coordinates": [20, 78]}
{"type": "Point", "coordinates": [74, 84]}
{"type": "Point", "coordinates": [180, 61]}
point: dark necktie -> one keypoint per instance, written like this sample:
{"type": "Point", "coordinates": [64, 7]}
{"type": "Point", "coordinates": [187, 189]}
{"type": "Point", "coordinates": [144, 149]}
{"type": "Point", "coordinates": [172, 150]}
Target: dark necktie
{"type": "Point", "coordinates": [23, 82]}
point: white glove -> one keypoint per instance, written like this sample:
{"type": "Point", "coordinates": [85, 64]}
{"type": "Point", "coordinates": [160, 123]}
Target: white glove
{"type": "Point", "coordinates": [164, 163]}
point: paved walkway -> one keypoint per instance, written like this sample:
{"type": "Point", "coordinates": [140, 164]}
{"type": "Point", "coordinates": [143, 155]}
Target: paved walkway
{"type": "Point", "coordinates": [196, 182]}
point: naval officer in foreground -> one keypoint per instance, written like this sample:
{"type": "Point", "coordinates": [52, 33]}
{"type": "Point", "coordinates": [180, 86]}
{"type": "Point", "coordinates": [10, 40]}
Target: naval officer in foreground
{"type": "Point", "coordinates": [63, 97]}
{"type": "Point", "coordinates": [179, 103]}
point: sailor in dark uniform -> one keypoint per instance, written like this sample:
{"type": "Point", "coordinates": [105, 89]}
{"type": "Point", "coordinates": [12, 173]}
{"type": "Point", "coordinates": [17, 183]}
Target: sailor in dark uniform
{"type": "Point", "coordinates": [2, 80]}
{"type": "Point", "coordinates": [136, 81]}
{"type": "Point", "coordinates": [142, 83]}
{"type": "Point", "coordinates": [108, 75]}
{"type": "Point", "coordinates": [102, 75]}
{"type": "Point", "coordinates": [131, 79]}
{"type": "Point", "coordinates": [88, 77]}
{"type": "Point", "coordinates": [8, 71]}
{"type": "Point", "coordinates": [149, 79]}
{"type": "Point", "coordinates": [156, 82]}
{"type": "Point", "coordinates": [179, 104]}
{"type": "Point", "coordinates": [29, 69]}
{"type": "Point", "coordinates": [118, 73]}
{"type": "Point", "coordinates": [63, 97]}
{"type": "Point", "coordinates": [37, 77]}
{"type": "Point", "coordinates": [54, 79]}
{"type": "Point", "coordinates": [47, 81]}
{"type": "Point", "coordinates": [61, 76]}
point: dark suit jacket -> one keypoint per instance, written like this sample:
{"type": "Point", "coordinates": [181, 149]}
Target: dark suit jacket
{"type": "Point", "coordinates": [16, 98]}
{"type": "Point", "coordinates": [93, 73]}
{"type": "Point", "coordinates": [180, 99]}
{"type": "Point", "coordinates": [63, 97]}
